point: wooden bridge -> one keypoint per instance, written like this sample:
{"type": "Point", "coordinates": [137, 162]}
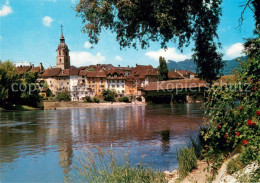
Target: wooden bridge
{"type": "Point", "coordinates": [183, 90]}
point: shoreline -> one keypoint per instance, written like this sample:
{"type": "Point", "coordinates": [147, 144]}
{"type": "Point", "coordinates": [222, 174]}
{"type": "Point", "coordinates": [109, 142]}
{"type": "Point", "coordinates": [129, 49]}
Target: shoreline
{"type": "Point", "coordinates": [63, 105]}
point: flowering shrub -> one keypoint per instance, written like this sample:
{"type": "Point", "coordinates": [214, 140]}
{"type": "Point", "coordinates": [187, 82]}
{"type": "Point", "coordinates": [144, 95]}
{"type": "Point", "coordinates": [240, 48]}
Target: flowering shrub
{"type": "Point", "coordinates": [233, 111]}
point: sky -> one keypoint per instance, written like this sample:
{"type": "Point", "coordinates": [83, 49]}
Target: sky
{"type": "Point", "coordinates": [30, 33]}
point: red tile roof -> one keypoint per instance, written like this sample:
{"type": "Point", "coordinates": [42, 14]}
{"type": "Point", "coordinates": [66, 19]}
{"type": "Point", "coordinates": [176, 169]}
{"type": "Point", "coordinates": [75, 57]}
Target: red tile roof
{"type": "Point", "coordinates": [23, 69]}
{"type": "Point", "coordinates": [35, 69]}
{"type": "Point", "coordinates": [174, 75]}
{"type": "Point", "coordinates": [51, 72]}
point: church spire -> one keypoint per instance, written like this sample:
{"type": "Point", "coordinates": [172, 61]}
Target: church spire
{"type": "Point", "coordinates": [62, 39]}
{"type": "Point", "coordinates": [63, 58]}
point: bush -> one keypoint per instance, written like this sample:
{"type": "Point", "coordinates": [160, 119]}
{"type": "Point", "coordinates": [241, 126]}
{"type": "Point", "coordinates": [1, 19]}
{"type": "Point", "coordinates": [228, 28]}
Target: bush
{"type": "Point", "coordinates": [234, 112]}
{"type": "Point", "coordinates": [109, 95]}
{"type": "Point", "coordinates": [96, 100]}
{"type": "Point", "coordinates": [124, 99]}
{"type": "Point", "coordinates": [109, 166]}
{"type": "Point", "coordinates": [88, 99]}
{"type": "Point", "coordinates": [187, 160]}
{"type": "Point", "coordinates": [63, 96]}
{"type": "Point", "coordinates": [139, 99]}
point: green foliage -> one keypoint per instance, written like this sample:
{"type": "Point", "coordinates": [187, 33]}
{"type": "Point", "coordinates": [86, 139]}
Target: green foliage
{"type": "Point", "coordinates": [109, 95]}
{"type": "Point", "coordinates": [196, 144]}
{"type": "Point", "coordinates": [88, 99]}
{"type": "Point", "coordinates": [233, 111]}
{"type": "Point", "coordinates": [8, 77]}
{"type": "Point", "coordinates": [163, 69]}
{"type": "Point", "coordinates": [96, 100]}
{"type": "Point", "coordinates": [63, 96]}
{"type": "Point", "coordinates": [139, 22]}
{"type": "Point", "coordinates": [110, 167]}
{"type": "Point", "coordinates": [124, 99]}
{"type": "Point", "coordinates": [234, 165]}
{"type": "Point", "coordinates": [187, 160]}
{"type": "Point", "coordinates": [31, 95]}
{"type": "Point", "coordinates": [139, 99]}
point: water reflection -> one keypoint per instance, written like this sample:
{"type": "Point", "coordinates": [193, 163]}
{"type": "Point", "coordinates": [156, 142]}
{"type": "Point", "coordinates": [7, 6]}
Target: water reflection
{"type": "Point", "coordinates": [56, 137]}
{"type": "Point", "coordinates": [165, 140]}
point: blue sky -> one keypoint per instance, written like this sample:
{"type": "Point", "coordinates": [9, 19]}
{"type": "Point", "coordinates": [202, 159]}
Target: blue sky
{"type": "Point", "coordinates": [30, 32]}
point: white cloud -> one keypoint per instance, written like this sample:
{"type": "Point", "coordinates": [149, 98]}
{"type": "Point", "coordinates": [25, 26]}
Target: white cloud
{"type": "Point", "coordinates": [47, 21]}
{"type": "Point", "coordinates": [6, 9]}
{"type": "Point", "coordinates": [235, 50]}
{"type": "Point", "coordinates": [23, 63]}
{"type": "Point", "coordinates": [85, 58]}
{"type": "Point", "coordinates": [169, 54]}
{"type": "Point", "coordinates": [118, 58]}
{"type": "Point", "coordinates": [87, 45]}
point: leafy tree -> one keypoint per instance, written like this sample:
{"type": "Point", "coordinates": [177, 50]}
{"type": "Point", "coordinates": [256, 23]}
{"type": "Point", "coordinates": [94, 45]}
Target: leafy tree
{"type": "Point", "coordinates": [63, 96]}
{"type": "Point", "coordinates": [163, 69]}
{"type": "Point", "coordinates": [30, 95]}
{"type": "Point", "coordinates": [8, 77]}
{"type": "Point", "coordinates": [109, 95]}
{"type": "Point", "coordinates": [139, 22]}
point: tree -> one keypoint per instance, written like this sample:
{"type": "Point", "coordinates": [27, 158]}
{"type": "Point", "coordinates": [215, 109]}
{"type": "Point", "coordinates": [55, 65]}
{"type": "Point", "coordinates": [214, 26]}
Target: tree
{"type": "Point", "coordinates": [63, 96]}
{"type": "Point", "coordinates": [8, 77]}
{"type": "Point", "coordinates": [30, 95]}
{"type": "Point", "coordinates": [139, 22]}
{"type": "Point", "coordinates": [109, 95]}
{"type": "Point", "coordinates": [163, 69]}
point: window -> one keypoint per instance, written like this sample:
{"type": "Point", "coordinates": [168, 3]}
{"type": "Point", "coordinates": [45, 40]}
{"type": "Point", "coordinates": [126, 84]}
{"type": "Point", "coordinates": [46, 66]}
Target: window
{"type": "Point", "coordinates": [123, 91]}
{"type": "Point", "coordinates": [117, 86]}
{"type": "Point", "coordinates": [60, 60]}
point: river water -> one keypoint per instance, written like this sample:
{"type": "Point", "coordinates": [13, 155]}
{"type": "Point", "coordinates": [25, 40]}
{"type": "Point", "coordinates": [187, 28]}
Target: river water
{"type": "Point", "coordinates": [41, 146]}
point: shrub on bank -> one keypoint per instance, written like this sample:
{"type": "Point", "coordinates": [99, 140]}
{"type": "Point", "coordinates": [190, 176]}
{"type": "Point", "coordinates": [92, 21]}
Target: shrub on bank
{"type": "Point", "coordinates": [187, 160]}
{"type": "Point", "coordinates": [124, 99]}
{"type": "Point", "coordinates": [110, 166]}
{"type": "Point", "coordinates": [88, 99]}
{"type": "Point", "coordinates": [109, 95]}
{"type": "Point", "coordinates": [96, 100]}
{"type": "Point", "coordinates": [63, 96]}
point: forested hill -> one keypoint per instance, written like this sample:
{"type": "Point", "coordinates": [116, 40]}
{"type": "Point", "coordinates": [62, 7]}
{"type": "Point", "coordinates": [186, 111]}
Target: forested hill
{"type": "Point", "coordinates": [190, 65]}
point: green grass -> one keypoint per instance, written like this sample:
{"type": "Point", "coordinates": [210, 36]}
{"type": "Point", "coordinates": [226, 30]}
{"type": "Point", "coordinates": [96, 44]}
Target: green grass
{"type": "Point", "coordinates": [234, 165]}
{"type": "Point", "coordinates": [187, 160]}
{"type": "Point", "coordinates": [111, 167]}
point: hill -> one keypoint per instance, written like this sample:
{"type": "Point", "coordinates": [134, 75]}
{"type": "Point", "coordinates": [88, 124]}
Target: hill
{"type": "Point", "coordinates": [189, 64]}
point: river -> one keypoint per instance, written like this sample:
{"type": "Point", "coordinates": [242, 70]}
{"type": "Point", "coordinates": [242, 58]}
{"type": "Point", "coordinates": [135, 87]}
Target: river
{"type": "Point", "coordinates": [43, 145]}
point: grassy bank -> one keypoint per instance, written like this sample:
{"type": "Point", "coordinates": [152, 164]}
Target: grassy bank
{"type": "Point", "coordinates": [110, 166]}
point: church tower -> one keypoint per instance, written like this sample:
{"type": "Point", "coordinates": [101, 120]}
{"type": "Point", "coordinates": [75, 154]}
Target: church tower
{"type": "Point", "coordinates": [63, 58]}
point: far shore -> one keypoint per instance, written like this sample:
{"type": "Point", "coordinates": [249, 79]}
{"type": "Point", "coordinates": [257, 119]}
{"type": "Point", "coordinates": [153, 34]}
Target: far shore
{"type": "Point", "coordinates": [62, 105]}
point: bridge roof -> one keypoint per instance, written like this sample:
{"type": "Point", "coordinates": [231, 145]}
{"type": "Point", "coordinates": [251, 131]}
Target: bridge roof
{"type": "Point", "coordinates": [175, 84]}
{"type": "Point", "coordinates": [186, 83]}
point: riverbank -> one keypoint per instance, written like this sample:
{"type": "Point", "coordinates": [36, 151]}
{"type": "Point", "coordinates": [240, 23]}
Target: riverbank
{"type": "Point", "coordinates": [60, 105]}
{"type": "Point", "coordinates": [20, 108]}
